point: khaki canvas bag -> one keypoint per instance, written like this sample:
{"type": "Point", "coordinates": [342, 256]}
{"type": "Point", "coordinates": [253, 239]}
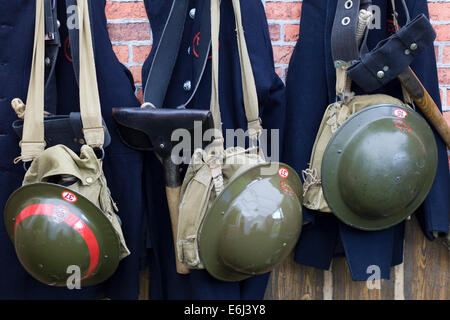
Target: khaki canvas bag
{"type": "Point", "coordinates": [335, 115]}
{"type": "Point", "coordinates": [83, 173]}
{"type": "Point", "coordinates": [211, 169]}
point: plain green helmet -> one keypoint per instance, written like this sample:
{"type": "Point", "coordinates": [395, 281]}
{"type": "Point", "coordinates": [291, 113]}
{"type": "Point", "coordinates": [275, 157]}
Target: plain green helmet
{"type": "Point", "coordinates": [253, 224]}
{"type": "Point", "coordinates": [379, 166]}
{"type": "Point", "coordinates": [55, 229]}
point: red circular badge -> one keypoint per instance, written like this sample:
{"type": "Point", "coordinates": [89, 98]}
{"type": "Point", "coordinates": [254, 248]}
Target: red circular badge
{"type": "Point", "coordinates": [69, 196]}
{"type": "Point", "coordinates": [400, 113]}
{"type": "Point", "coordinates": [402, 126]}
{"type": "Point", "coordinates": [283, 172]}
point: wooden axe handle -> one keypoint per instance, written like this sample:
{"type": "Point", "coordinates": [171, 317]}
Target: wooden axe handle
{"type": "Point", "coordinates": [423, 100]}
{"type": "Point", "coordinates": [173, 200]}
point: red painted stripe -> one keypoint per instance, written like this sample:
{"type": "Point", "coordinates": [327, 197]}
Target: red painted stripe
{"type": "Point", "coordinates": [71, 220]}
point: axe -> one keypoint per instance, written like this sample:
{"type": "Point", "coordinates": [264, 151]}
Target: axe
{"type": "Point", "coordinates": [391, 58]}
{"type": "Point", "coordinates": [151, 129]}
{"type": "Point", "coordinates": [423, 100]}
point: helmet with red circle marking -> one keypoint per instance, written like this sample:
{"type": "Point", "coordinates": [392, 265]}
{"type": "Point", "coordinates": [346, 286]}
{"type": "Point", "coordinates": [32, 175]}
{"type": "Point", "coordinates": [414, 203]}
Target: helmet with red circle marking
{"type": "Point", "coordinates": [60, 236]}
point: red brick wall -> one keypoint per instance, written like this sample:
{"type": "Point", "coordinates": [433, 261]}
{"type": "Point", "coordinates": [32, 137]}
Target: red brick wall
{"type": "Point", "coordinates": [129, 31]}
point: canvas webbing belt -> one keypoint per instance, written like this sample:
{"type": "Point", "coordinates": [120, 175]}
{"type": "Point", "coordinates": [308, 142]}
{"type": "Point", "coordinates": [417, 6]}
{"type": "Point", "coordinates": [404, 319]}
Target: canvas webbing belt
{"type": "Point", "coordinates": [348, 32]}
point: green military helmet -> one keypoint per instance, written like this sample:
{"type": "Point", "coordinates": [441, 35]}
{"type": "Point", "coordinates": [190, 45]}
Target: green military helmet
{"type": "Point", "coordinates": [56, 230]}
{"type": "Point", "coordinates": [253, 224]}
{"type": "Point", "coordinates": [379, 166]}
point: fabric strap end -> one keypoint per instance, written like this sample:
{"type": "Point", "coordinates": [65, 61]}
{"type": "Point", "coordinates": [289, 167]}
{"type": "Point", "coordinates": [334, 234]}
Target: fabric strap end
{"type": "Point", "coordinates": [31, 150]}
{"type": "Point", "coordinates": [95, 137]}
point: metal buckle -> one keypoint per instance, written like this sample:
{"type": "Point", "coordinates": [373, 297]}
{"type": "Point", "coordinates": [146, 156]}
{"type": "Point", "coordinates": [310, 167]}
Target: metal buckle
{"type": "Point", "coordinates": [26, 165]}
{"type": "Point", "coordinates": [102, 153]}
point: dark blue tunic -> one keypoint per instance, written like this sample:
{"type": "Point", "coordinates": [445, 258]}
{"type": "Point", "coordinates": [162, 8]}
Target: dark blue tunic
{"type": "Point", "coordinates": [123, 167]}
{"type": "Point", "coordinates": [310, 89]}
{"type": "Point", "coordinates": [165, 283]}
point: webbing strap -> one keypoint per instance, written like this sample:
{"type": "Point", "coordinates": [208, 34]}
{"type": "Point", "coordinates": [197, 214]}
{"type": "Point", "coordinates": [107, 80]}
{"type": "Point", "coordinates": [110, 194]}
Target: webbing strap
{"type": "Point", "coordinates": [33, 142]}
{"type": "Point", "coordinates": [343, 34]}
{"type": "Point", "coordinates": [90, 109]}
{"type": "Point", "coordinates": [248, 80]}
{"type": "Point", "coordinates": [349, 29]}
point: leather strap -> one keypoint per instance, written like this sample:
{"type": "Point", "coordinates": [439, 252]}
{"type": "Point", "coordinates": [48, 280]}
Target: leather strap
{"type": "Point", "coordinates": [166, 55]}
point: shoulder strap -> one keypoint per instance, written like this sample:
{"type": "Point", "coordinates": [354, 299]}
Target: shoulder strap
{"type": "Point", "coordinates": [248, 80]}
{"type": "Point", "coordinates": [90, 109]}
{"type": "Point", "coordinates": [344, 42]}
{"type": "Point", "coordinates": [166, 55]}
{"type": "Point", "coordinates": [74, 36]}
{"type": "Point", "coordinates": [216, 148]}
{"type": "Point", "coordinates": [33, 142]}
{"type": "Point", "coordinates": [52, 45]}
{"type": "Point", "coordinates": [349, 30]}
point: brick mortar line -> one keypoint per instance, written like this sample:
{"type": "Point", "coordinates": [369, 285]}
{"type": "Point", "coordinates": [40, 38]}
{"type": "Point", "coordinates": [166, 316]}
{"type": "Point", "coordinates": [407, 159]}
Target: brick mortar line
{"type": "Point", "coordinates": [440, 53]}
{"type": "Point", "coordinates": [132, 64]}
{"type": "Point", "coordinates": [274, 21]}
{"type": "Point", "coordinates": [281, 43]}
{"type": "Point", "coordinates": [126, 21]}
{"type": "Point", "coordinates": [439, 22]}
{"type": "Point", "coordinates": [130, 53]}
{"type": "Point", "coordinates": [133, 42]}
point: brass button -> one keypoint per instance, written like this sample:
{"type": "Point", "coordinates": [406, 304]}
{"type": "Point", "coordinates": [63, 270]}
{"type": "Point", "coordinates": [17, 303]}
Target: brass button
{"type": "Point", "coordinates": [407, 51]}
{"type": "Point", "coordinates": [380, 74]}
{"type": "Point", "coordinates": [413, 46]}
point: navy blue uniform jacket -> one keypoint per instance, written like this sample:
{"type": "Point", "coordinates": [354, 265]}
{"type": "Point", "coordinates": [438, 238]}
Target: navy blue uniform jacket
{"type": "Point", "coordinates": [310, 89]}
{"type": "Point", "coordinates": [122, 166]}
{"type": "Point", "coordinates": [165, 283]}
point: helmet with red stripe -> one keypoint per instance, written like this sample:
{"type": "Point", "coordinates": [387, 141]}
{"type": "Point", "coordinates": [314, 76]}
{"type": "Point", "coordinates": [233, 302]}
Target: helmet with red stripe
{"type": "Point", "coordinates": [60, 235]}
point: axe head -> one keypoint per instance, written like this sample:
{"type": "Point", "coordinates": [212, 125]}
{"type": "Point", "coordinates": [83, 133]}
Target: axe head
{"type": "Point", "coordinates": [151, 129]}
